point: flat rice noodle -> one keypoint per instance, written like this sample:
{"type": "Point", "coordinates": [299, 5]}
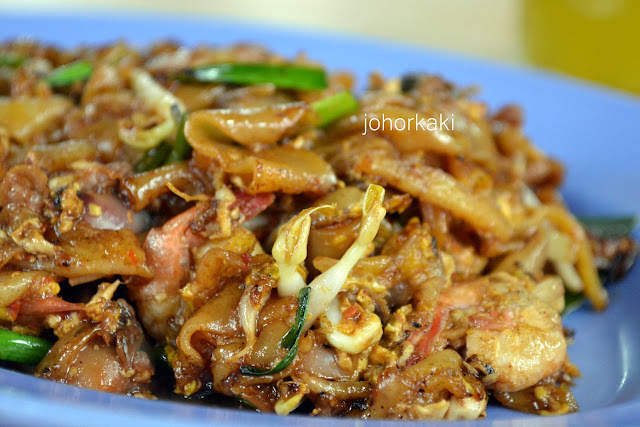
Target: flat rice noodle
{"type": "Point", "coordinates": [343, 389]}
{"type": "Point", "coordinates": [435, 186]}
{"type": "Point", "coordinates": [278, 168]}
{"type": "Point", "coordinates": [555, 399]}
{"type": "Point", "coordinates": [380, 268]}
{"type": "Point", "coordinates": [24, 186]}
{"type": "Point", "coordinates": [23, 117]}
{"type": "Point", "coordinates": [332, 241]}
{"type": "Point", "coordinates": [9, 250]}
{"type": "Point", "coordinates": [198, 96]}
{"type": "Point", "coordinates": [104, 134]}
{"type": "Point", "coordinates": [322, 362]}
{"type": "Point", "coordinates": [218, 267]}
{"type": "Point", "coordinates": [144, 188]}
{"type": "Point", "coordinates": [86, 251]}
{"type": "Point", "coordinates": [217, 319]}
{"type": "Point", "coordinates": [267, 351]}
{"type": "Point", "coordinates": [344, 198]}
{"type": "Point", "coordinates": [105, 78]}
{"type": "Point", "coordinates": [416, 256]}
{"type": "Point", "coordinates": [464, 136]}
{"type": "Point", "coordinates": [262, 125]}
{"type": "Point", "coordinates": [16, 284]}
{"type": "Point", "coordinates": [414, 138]}
{"type": "Point", "coordinates": [58, 157]}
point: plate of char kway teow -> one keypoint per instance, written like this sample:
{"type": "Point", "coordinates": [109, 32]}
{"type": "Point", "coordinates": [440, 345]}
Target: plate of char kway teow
{"type": "Point", "coordinates": [214, 223]}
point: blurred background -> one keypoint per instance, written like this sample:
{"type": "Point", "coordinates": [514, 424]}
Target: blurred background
{"type": "Point", "coordinates": [598, 40]}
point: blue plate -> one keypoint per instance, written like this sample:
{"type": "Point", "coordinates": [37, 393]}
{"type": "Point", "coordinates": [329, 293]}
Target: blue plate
{"type": "Point", "coordinates": [593, 130]}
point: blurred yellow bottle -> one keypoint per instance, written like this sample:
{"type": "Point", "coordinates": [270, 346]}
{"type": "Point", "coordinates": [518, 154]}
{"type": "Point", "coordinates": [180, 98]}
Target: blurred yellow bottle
{"type": "Point", "coordinates": [593, 39]}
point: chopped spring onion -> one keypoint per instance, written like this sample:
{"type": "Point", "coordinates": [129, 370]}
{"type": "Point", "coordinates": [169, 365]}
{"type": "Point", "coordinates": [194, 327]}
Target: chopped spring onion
{"type": "Point", "coordinates": [69, 73]}
{"type": "Point", "coordinates": [11, 59]}
{"type": "Point", "coordinates": [611, 227]}
{"type": "Point", "coordinates": [572, 302]}
{"type": "Point", "coordinates": [245, 403]}
{"type": "Point", "coordinates": [15, 347]}
{"type": "Point", "coordinates": [154, 158]}
{"type": "Point", "coordinates": [334, 107]}
{"type": "Point", "coordinates": [181, 147]}
{"type": "Point", "coordinates": [289, 341]}
{"type": "Point", "coordinates": [281, 75]}
{"type": "Point", "coordinates": [291, 338]}
{"type": "Point", "coordinates": [160, 359]}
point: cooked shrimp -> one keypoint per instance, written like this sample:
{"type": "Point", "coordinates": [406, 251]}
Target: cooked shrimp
{"type": "Point", "coordinates": [167, 251]}
{"type": "Point", "coordinates": [507, 328]}
{"type": "Point", "coordinates": [104, 353]}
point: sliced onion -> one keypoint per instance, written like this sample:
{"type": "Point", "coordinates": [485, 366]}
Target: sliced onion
{"type": "Point", "coordinates": [155, 97]}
